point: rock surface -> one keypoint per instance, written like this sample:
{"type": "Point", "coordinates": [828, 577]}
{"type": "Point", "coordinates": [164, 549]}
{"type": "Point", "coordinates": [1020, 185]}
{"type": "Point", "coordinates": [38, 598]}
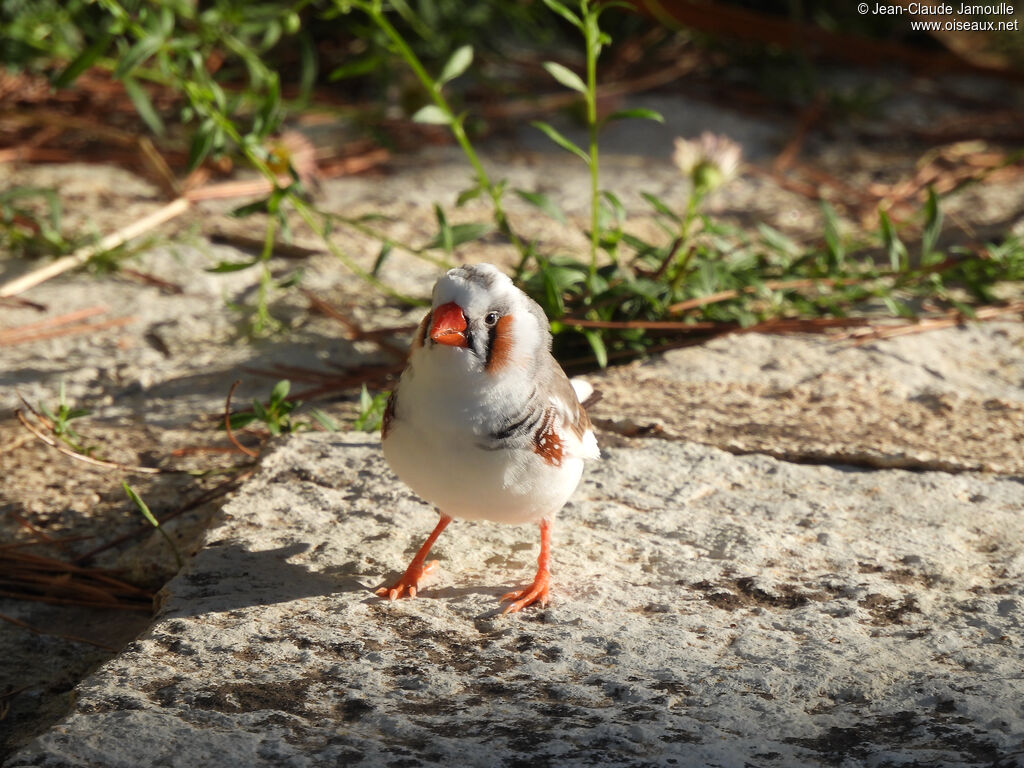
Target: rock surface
{"type": "Point", "coordinates": [708, 609]}
{"type": "Point", "coordinates": [950, 400]}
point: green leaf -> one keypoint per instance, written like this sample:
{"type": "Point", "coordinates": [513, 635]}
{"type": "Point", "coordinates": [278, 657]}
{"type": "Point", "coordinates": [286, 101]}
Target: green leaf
{"type": "Point", "coordinates": [565, 76]}
{"type": "Point", "coordinates": [290, 280]}
{"type": "Point", "coordinates": [143, 105]}
{"type": "Point", "coordinates": [932, 224]}
{"type": "Point", "coordinates": [371, 411]}
{"type": "Point", "coordinates": [323, 420]}
{"type": "Point", "coordinates": [564, 12]}
{"type": "Point", "coordinates": [444, 232]}
{"type": "Point", "coordinates": [597, 345]}
{"type": "Point", "coordinates": [468, 194]}
{"type": "Point", "coordinates": [776, 240]}
{"type": "Point", "coordinates": [260, 411]}
{"type": "Point", "coordinates": [257, 206]}
{"type": "Point", "coordinates": [240, 420]}
{"type": "Point", "coordinates": [355, 68]}
{"type": "Point", "coordinates": [280, 392]}
{"type": "Point", "coordinates": [309, 66]}
{"type": "Point", "coordinates": [553, 289]}
{"type": "Point", "coordinates": [457, 63]}
{"type": "Point", "coordinates": [202, 143]}
{"type": "Point", "coordinates": [82, 62]}
{"type": "Point", "coordinates": [614, 205]}
{"type": "Point", "coordinates": [833, 241]}
{"type": "Point", "coordinates": [897, 308]}
{"type": "Point", "coordinates": [137, 54]}
{"type": "Point", "coordinates": [229, 266]}
{"type": "Point", "coordinates": [894, 248]}
{"type": "Point", "coordinates": [47, 412]}
{"type": "Point", "coordinates": [269, 115]}
{"type": "Point", "coordinates": [660, 207]}
{"type": "Point", "coordinates": [459, 234]}
{"type": "Point", "coordinates": [639, 113]}
{"type": "Point", "coordinates": [143, 507]}
{"type": "Point", "coordinates": [385, 251]}
{"type": "Point", "coordinates": [544, 203]}
{"type": "Point", "coordinates": [432, 114]}
{"type": "Point", "coordinates": [560, 140]}
{"type": "Point", "coordinates": [615, 4]}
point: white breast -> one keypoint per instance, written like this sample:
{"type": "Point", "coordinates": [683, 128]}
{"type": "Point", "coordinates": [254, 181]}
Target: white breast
{"type": "Point", "coordinates": [434, 447]}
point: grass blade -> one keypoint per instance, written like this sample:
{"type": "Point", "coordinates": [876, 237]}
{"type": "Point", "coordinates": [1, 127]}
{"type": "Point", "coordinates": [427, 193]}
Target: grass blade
{"type": "Point", "coordinates": [561, 141]}
{"type": "Point", "coordinates": [565, 76]}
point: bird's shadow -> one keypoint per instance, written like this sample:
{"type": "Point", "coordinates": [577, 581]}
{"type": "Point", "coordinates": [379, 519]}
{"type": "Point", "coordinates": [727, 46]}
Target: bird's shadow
{"type": "Point", "coordinates": [225, 576]}
{"type": "Point", "coordinates": [465, 595]}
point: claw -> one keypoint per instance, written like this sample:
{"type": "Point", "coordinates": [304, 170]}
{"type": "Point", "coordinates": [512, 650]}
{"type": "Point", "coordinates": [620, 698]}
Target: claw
{"type": "Point", "coordinates": [537, 592]}
{"type": "Point", "coordinates": [409, 584]}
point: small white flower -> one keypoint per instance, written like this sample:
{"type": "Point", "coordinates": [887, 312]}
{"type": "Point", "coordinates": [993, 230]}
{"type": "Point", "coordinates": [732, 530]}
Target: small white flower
{"type": "Point", "coordinates": [710, 160]}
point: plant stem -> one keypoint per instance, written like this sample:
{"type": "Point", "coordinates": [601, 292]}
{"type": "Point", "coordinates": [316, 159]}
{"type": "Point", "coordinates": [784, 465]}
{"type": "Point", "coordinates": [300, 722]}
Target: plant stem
{"type": "Point", "coordinates": [306, 212]}
{"type": "Point", "coordinates": [683, 248]}
{"type": "Point", "coordinates": [455, 123]}
{"type": "Point", "coordinates": [592, 33]}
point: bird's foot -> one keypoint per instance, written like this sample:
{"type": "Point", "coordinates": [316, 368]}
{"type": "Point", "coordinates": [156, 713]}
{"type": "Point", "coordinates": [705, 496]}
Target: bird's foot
{"type": "Point", "coordinates": [409, 584]}
{"type": "Point", "coordinates": [535, 593]}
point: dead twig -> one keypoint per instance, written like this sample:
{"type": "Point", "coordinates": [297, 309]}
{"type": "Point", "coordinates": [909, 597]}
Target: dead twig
{"type": "Point", "coordinates": [82, 255]}
{"type": "Point", "coordinates": [256, 244]}
{"type": "Point", "coordinates": [229, 189]}
{"type": "Point", "coordinates": [162, 172]}
{"type": "Point", "coordinates": [10, 339]}
{"type": "Point", "coordinates": [27, 525]}
{"type": "Point", "coordinates": [215, 492]}
{"type": "Point", "coordinates": [772, 285]}
{"type": "Point", "coordinates": [369, 374]}
{"type": "Point", "coordinates": [950, 320]}
{"type": "Point", "coordinates": [650, 325]}
{"type": "Point", "coordinates": [50, 322]}
{"type": "Point", "coordinates": [356, 332]}
{"type": "Point", "coordinates": [27, 576]}
{"type": "Point", "coordinates": [59, 635]}
{"type": "Point", "coordinates": [164, 285]}
{"type": "Point", "coordinates": [353, 164]}
{"type": "Point", "coordinates": [227, 423]}
{"type": "Point", "coordinates": [19, 302]}
{"type": "Point", "coordinates": [54, 443]}
{"type": "Point", "coordinates": [807, 118]}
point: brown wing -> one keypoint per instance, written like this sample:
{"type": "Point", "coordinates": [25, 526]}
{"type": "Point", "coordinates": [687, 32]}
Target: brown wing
{"type": "Point", "coordinates": [574, 415]}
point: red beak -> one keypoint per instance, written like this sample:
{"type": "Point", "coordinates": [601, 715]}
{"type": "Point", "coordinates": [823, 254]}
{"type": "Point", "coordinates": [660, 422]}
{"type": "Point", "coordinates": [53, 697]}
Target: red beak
{"type": "Point", "coordinates": [448, 325]}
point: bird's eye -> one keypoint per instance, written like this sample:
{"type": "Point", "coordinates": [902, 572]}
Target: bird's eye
{"type": "Point", "coordinates": [491, 319]}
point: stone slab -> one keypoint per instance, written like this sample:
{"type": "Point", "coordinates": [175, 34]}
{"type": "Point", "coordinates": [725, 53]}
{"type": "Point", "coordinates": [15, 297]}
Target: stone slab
{"type": "Point", "coordinates": [708, 609]}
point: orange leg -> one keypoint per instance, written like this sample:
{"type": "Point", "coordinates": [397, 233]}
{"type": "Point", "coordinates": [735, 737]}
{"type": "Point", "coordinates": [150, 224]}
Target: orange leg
{"type": "Point", "coordinates": [538, 591]}
{"type": "Point", "coordinates": [410, 581]}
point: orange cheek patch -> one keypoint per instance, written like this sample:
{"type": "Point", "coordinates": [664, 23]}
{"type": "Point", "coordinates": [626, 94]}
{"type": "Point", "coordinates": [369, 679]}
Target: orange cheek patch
{"type": "Point", "coordinates": [501, 347]}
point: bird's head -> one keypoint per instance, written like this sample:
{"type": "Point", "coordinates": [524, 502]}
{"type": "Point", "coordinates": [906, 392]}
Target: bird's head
{"type": "Point", "coordinates": [492, 325]}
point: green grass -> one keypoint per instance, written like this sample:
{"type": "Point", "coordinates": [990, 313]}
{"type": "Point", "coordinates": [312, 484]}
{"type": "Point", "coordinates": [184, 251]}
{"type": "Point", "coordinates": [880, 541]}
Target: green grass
{"type": "Point", "coordinates": [623, 297]}
{"type": "Point", "coordinates": [61, 418]}
{"type": "Point", "coordinates": [276, 414]}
